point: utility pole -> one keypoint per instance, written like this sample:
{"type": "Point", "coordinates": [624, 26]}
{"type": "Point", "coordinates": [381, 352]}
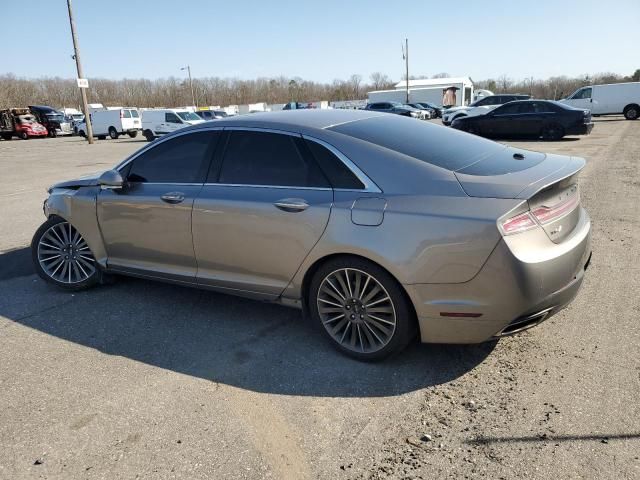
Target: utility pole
{"type": "Point", "coordinates": [405, 57]}
{"type": "Point", "coordinates": [76, 55]}
{"type": "Point", "coordinates": [193, 97]}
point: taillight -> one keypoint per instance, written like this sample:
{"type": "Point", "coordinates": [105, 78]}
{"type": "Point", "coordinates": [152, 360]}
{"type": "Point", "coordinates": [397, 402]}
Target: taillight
{"type": "Point", "coordinates": [517, 224]}
{"type": "Point", "coordinates": [121, 114]}
{"type": "Point", "coordinates": [546, 214]}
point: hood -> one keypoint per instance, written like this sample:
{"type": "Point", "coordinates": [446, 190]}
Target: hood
{"type": "Point", "coordinates": [194, 122]}
{"type": "Point", "coordinates": [456, 109]}
{"type": "Point", "coordinates": [516, 173]}
{"type": "Point", "coordinates": [84, 181]}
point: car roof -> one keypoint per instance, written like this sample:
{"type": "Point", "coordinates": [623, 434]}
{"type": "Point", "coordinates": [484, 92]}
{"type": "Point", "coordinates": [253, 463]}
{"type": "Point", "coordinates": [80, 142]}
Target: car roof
{"type": "Point", "coordinates": [295, 120]}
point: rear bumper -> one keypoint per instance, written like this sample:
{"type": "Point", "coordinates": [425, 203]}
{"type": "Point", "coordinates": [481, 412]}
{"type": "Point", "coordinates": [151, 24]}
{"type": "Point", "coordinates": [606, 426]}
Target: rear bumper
{"type": "Point", "coordinates": [584, 129]}
{"type": "Point", "coordinates": [525, 280]}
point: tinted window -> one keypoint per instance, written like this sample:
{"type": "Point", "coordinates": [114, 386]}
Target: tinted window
{"type": "Point", "coordinates": [171, 117]}
{"type": "Point", "coordinates": [527, 108]}
{"type": "Point", "coordinates": [508, 109]}
{"type": "Point", "coordinates": [183, 159]}
{"type": "Point", "coordinates": [543, 107]}
{"type": "Point", "coordinates": [261, 158]}
{"type": "Point", "coordinates": [425, 141]}
{"type": "Point", "coordinates": [337, 172]}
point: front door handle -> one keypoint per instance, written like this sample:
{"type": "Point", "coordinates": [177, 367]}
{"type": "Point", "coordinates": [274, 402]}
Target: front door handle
{"type": "Point", "coordinates": [173, 197]}
{"type": "Point", "coordinates": [292, 204]}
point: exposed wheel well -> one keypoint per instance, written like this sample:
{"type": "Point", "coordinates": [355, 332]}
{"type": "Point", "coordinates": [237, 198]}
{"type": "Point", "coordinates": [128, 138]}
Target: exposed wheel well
{"type": "Point", "coordinates": [306, 281]}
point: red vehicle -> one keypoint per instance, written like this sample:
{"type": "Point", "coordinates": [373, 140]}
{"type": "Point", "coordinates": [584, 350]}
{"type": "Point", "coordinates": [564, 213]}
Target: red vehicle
{"type": "Point", "coordinates": [21, 123]}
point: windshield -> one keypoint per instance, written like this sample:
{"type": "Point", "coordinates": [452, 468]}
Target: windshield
{"type": "Point", "coordinates": [26, 118]}
{"type": "Point", "coordinates": [424, 141]}
{"type": "Point", "coordinates": [134, 113]}
{"type": "Point", "coordinates": [188, 116]}
{"type": "Point", "coordinates": [55, 117]}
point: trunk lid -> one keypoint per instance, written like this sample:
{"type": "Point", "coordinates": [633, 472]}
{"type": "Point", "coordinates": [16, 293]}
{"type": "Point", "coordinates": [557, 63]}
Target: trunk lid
{"type": "Point", "coordinates": [547, 182]}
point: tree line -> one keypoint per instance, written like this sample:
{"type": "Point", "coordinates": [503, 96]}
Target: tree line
{"type": "Point", "coordinates": [168, 92]}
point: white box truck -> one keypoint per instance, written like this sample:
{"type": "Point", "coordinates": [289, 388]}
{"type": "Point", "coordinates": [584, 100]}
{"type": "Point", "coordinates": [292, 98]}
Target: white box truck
{"type": "Point", "coordinates": [160, 121]}
{"type": "Point", "coordinates": [609, 99]}
{"type": "Point", "coordinates": [113, 122]}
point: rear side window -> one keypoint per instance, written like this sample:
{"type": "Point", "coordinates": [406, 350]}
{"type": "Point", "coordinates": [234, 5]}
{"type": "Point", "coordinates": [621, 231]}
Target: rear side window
{"type": "Point", "coordinates": [424, 141]}
{"type": "Point", "coordinates": [263, 158]}
{"type": "Point", "coordinates": [508, 109]}
{"type": "Point", "coordinates": [182, 159]}
{"type": "Point", "coordinates": [336, 171]}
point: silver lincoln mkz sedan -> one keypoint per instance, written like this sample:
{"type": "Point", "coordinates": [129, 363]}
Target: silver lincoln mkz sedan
{"type": "Point", "coordinates": [377, 226]}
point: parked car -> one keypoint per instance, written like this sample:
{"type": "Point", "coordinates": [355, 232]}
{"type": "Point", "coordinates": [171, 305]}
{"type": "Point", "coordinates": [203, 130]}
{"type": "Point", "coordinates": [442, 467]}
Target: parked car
{"type": "Point", "coordinates": [52, 120]}
{"type": "Point", "coordinates": [529, 119]}
{"type": "Point", "coordinates": [436, 112]}
{"type": "Point", "coordinates": [378, 226]}
{"type": "Point", "coordinates": [113, 122]}
{"type": "Point", "coordinates": [428, 112]}
{"type": "Point", "coordinates": [613, 99]}
{"type": "Point", "coordinates": [21, 123]}
{"type": "Point", "coordinates": [160, 121]}
{"type": "Point", "coordinates": [397, 108]}
{"type": "Point", "coordinates": [479, 107]}
{"type": "Point", "coordinates": [211, 114]}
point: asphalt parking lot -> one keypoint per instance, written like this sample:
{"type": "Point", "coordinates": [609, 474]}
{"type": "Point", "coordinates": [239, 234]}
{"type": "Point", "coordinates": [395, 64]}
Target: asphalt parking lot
{"type": "Point", "coordinates": [147, 380]}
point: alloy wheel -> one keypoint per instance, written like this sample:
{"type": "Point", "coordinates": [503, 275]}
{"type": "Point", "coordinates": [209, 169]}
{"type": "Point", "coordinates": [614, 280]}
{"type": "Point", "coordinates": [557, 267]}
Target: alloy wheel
{"type": "Point", "coordinates": [64, 255]}
{"type": "Point", "coordinates": [356, 310]}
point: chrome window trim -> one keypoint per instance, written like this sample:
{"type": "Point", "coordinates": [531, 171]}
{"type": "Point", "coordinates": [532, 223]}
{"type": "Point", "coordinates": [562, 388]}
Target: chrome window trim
{"type": "Point", "coordinates": [165, 138]}
{"type": "Point", "coordinates": [369, 185]}
{"type": "Point", "coordinates": [282, 187]}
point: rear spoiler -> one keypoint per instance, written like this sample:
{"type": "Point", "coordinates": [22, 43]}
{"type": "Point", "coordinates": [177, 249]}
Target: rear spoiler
{"type": "Point", "coordinates": [572, 167]}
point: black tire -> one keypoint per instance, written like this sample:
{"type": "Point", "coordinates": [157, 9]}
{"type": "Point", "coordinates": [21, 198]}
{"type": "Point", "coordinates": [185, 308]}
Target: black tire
{"type": "Point", "coordinates": [82, 134]}
{"type": "Point", "coordinates": [7, 136]}
{"type": "Point", "coordinates": [102, 137]}
{"type": "Point", "coordinates": [133, 134]}
{"type": "Point", "coordinates": [23, 136]}
{"type": "Point", "coordinates": [404, 329]}
{"type": "Point", "coordinates": [632, 112]}
{"type": "Point", "coordinates": [148, 134]}
{"type": "Point", "coordinates": [113, 133]}
{"type": "Point", "coordinates": [552, 131]}
{"type": "Point", "coordinates": [52, 133]}
{"type": "Point", "coordinates": [88, 282]}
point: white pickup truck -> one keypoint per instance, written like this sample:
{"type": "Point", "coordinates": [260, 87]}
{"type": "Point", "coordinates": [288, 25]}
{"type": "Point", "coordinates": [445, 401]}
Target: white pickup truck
{"type": "Point", "coordinates": [479, 107]}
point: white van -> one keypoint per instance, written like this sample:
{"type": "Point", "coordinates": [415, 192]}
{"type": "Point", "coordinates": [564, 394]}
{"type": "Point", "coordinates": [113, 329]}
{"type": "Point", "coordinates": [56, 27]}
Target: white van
{"type": "Point", "coordinates": [610, 99]}
{"type": "Point", "coordinates": [160, 121]}
{"type": "Point", "coordinates": [113, 122]}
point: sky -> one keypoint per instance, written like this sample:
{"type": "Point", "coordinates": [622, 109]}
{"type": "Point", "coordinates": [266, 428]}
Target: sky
{"type": "Point", "coordinates": [322, 40]}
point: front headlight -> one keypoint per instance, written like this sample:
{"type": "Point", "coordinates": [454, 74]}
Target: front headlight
{"type": "Point", "coordinates": [414, 114]}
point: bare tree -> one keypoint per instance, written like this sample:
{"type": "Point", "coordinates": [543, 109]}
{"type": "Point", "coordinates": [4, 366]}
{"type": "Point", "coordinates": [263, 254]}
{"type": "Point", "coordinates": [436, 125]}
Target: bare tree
{"type": "Point", "coordinates": [380, 81]}
{"type": "Point", "coordinates": [441, 75]}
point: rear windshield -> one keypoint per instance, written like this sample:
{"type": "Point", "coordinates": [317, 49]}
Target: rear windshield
{"type": "Point", "coordinates": [440, 146]}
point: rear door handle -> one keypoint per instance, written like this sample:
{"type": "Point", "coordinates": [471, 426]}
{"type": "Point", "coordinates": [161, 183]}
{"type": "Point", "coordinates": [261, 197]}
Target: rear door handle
{"type": "Point", "coordinates": [173, 197]}
{"type": "Point", "coordinates": [292, 204]}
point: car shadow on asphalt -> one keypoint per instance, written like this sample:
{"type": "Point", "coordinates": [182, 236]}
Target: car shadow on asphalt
{"type": "Point", "coordinates": [224, 339]}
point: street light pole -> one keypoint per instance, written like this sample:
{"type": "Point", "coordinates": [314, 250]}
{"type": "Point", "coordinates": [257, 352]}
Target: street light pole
{"type": "Point", "coordinates": [193, 97]}
{"type": "Point", "coordinates": [83, 91]}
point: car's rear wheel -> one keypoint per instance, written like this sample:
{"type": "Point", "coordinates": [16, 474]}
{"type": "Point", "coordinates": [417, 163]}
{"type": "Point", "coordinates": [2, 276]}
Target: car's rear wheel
{"type": "Point", "coordinates": [113, 133]}
{"type": "Point", "coordinates": [361, 308]}
{"type": "Point", "coordinates": [82, 134]}
{"type": "Point", "coordinates": [62, 257]}
{"type": "Point", "coordinates": [552, 131]}
{"type": "Point", "coordinates": [631, 112]}
{"type": "Point", "coordinates": [24, 136]}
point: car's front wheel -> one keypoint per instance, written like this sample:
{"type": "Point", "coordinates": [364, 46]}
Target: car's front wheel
{"type": "Point", "coordinates": [552, 131]}
{"type": "Point", "coordinates": [113, 133]}
{"type": "Point", "coordinates": [361, 308]}
{"type": "Point", "coordinates": [62, 257]}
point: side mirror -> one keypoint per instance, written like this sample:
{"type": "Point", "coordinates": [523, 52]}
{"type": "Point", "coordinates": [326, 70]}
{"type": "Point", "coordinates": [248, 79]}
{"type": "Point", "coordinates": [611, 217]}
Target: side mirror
{"type": "Point", "coordinates": [111, 179]}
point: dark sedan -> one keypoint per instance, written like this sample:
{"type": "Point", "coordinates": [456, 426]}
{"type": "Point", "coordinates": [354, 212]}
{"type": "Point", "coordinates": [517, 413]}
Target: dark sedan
{"type": "Point", "coordinates": [395, 107]}
{"type": "Point", "coordinates": [528, 119]}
